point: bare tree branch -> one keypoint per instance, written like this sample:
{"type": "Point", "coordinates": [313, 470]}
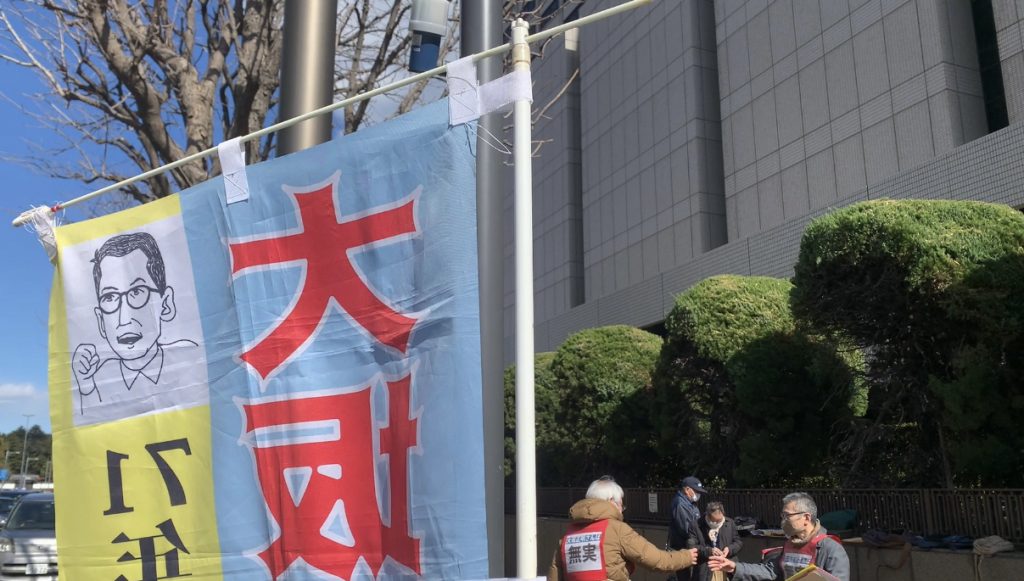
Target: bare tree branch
{"type": "Point", "coordinates": [128, 86]}
{"type": "Point", "coordinates": [168, 78]}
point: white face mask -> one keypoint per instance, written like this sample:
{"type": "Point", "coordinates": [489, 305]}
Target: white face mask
{"type": "Point", "coordinates": [696, 496]}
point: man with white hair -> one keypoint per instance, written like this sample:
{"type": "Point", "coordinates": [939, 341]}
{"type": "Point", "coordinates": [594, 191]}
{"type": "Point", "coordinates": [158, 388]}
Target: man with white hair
{"type": "Point", "coordinates": [807, 543]}
{"type": "Point", "coordinates": [598, 546]}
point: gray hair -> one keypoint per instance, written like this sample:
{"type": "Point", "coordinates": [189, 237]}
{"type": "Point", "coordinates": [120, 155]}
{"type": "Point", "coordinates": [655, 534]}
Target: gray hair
{"type": "Point", "coordinates": [714, 507]}
{"type": "Point", "coordinates": [605, 489]}
{"type": "Point", "coordinates": [804, 503]}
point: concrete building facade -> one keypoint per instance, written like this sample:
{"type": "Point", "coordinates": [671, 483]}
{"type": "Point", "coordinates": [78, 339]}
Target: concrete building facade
{"type": "Point", "coordinates": [699, 137]}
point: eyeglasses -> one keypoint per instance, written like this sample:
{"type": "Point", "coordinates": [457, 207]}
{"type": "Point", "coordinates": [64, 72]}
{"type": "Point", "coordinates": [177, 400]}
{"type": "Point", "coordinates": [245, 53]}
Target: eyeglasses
{"type": "Point", "coordinates": [137, 297]}
{"type": "Point", "coordinates": [789, 515]}
{"type": "Point", "coordinates": [607, 478]}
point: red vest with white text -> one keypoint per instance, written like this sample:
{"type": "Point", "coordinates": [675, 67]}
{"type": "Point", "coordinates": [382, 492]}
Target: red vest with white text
{"type": "Point", "coordinates": [582, 552]}
{"type": "Point", "coordinates": [794, 557]}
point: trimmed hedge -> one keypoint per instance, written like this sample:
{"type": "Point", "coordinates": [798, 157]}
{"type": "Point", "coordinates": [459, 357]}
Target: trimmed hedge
{"type": "Point", "coordinates": [592, 403]}
{"type": "Point", "coordinates": [888, 268]}
{"type": "Point", "coordinates": [721, 315]}
{"type": "Point", "coordinates": [742, 393]}
{"type": "Point", "coordinates": [606, 377]}
{"type": "Point", "coordinates": [547, 398]}
{"type": "Point", "coordinates": [935, 291]}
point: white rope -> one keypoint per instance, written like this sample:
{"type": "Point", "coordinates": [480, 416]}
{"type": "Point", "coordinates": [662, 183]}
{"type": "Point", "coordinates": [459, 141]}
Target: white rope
{"type": "Point", "coordinates": [42, 221]}
{"type": "Point", "coordinates": [543, 35]}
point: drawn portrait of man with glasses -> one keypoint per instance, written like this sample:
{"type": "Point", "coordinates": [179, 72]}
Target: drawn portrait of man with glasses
{"type": "Point", "coordinates": [133, 303]}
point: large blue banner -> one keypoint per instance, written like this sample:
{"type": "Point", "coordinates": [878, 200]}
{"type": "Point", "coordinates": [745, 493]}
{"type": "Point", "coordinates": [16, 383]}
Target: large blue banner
{"type": "Point", "coordinates": [329, 325]}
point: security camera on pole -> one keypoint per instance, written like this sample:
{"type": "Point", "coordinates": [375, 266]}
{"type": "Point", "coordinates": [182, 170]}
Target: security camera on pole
{"type": "Point", "coordinates": [428, 22]}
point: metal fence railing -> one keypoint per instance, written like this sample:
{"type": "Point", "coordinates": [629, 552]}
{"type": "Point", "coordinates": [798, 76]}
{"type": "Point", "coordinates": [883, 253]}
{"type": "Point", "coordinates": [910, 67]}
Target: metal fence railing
{"type": "Point", "coordinates": [974, 513]}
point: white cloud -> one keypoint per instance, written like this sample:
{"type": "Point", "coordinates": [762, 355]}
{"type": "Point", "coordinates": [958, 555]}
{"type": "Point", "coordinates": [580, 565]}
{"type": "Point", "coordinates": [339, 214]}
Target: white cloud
{"type": "Point", "coordinates": [18, 399]}
{"type": "Point", "coordinates": [15, 391]}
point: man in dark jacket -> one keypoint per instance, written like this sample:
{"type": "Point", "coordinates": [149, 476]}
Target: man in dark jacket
{"type": "Point", "coordinates": [717, 535]}
{"type": "Point", "coordinates": [685, 515]}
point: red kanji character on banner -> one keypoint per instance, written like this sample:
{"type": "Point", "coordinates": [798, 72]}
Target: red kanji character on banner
{"type": "Point", "coordinates": [323, 244]}
{"type": "Point", "coordinates": [315, 460]}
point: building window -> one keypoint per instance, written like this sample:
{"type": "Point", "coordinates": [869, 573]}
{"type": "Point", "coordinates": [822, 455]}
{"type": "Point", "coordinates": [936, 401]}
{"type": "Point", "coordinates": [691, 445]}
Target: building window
{"type": "Point", "coordinates": [988, 65]}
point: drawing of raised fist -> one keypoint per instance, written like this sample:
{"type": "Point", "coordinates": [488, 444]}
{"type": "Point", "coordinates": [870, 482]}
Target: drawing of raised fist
{"type": "Point", "coordinates": [85, 363]}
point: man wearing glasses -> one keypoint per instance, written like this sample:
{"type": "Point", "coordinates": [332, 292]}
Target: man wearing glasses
{"type": "Point", "coordinates": [133, 302]}
{"type": "Point", "coordinates": [807, 543]}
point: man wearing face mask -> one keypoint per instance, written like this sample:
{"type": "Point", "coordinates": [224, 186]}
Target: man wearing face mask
{"type": "Point", "coordinates": [807, 542]}
{"type": "Point", "coordinates": [685, 515]}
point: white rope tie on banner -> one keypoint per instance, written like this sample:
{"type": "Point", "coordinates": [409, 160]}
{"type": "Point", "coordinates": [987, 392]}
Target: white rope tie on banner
{"type": "Point", "coordinates": [43, 221]}
{"type": "Point", "coordinates": [232, 167]}
{"type": "Point", "coordinates": [540, 36]}
{"type": "Point", "coordinates": [468, 99]}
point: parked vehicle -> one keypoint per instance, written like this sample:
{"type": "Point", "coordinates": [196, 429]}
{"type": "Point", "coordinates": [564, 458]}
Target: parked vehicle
{"type": "Point", "coordinates": [6, 504]}
{"type": "Point", "coordinates": [28, 544]}
{"type": "Point", "coordinates": [8, 498]}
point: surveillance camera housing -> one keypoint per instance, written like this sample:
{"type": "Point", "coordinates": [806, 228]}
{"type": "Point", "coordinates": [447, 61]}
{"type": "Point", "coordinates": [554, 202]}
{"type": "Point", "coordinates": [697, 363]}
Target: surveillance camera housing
{"type": "Point", "coordinates": [428, 22]}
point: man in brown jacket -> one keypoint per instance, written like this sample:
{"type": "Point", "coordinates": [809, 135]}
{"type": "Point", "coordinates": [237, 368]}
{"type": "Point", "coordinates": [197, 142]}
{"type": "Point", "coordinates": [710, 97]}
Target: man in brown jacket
{"type": "Point", "coordinates": [599, 546]}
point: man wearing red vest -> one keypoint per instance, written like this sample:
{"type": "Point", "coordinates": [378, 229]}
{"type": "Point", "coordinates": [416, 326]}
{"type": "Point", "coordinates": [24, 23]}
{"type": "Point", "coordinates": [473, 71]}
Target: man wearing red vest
{"type": "Point", "coordinates": [807, 542]}
{"type": "Point", "coordinates": [598, 546]}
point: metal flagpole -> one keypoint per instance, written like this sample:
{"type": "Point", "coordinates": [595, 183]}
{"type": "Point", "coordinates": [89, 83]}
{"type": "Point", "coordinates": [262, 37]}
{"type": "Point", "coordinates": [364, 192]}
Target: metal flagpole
{"type": "Point", "coordinates": [307, 71]}
{"type": "Point", "coordinates": [526, 467]}
{"type": "Point", "coordinates": [481, 30]}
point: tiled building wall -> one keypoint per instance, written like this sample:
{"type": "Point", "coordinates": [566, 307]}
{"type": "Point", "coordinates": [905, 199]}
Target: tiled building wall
{"type": "Point", "coordinates": [822, 97]}
{"type": "Point", "coordinates": [651, 149]}
{"type": "Point", "coordinates": [823, 103]}
{"type": "Point", "coordinates": [989, 169]}
{"type": "Point", "coordinates": [1009, 17]}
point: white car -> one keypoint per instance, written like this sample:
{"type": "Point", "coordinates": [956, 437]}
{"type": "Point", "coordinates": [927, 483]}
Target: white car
{"type": "Point", "coordinates": [28, 544]}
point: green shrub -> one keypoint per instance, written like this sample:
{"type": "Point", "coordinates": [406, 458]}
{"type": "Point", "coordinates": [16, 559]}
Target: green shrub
{"type": "Point", "coordinates": [549, 433]}
{"type": "Point", "coordinates": [741, 393]}
{"type": "Point", "coordinates": [606, 375]}
{"type": "Point", "coordinates": [934, 290]}
{"type": "Point", "coordinates": [724, 314]}
{"type": "Point", "coordinates": [795, 397]}
{"type": "Point", "coordinates": [894, 269]}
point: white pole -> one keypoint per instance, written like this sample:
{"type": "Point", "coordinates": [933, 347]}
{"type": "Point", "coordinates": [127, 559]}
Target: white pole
{"type": "Point", "coordinates": [24, 450]}
{"type": "Point", "coordinates": [526, 468]}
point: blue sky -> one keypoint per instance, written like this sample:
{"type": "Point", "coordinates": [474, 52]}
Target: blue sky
{"type": "Point", "coordinates": [25, 272]}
